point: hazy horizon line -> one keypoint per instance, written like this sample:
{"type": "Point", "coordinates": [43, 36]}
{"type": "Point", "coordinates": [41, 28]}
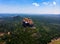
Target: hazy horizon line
{"type": "Point", "coordinates": [26, 13]}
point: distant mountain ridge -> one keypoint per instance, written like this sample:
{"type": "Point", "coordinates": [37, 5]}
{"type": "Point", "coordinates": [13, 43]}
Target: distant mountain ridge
{"type": "Point", "coordinates": [40, 18]}
{"type": "Point", "coordinates": [11, 19]}
{"type": "Point", "coordinates": [8, 15]}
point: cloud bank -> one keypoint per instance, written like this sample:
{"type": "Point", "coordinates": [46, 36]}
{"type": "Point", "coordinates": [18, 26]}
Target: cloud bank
{"type": "Point", "coordinates": [35, 4]}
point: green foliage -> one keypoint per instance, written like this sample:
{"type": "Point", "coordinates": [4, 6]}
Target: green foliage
{"type": "Point", "coordinates": [45, 31]}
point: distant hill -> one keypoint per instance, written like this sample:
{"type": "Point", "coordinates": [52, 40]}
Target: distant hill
{"type": "Point", "coordinates": [11, 18]}
{"type": "Point", "coordinates": [40, 18]}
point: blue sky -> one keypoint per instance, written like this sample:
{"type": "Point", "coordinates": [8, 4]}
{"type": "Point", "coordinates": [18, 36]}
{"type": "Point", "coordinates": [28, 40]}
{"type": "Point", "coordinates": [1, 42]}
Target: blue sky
{"type": "Point", "coordinates": [30, 6]}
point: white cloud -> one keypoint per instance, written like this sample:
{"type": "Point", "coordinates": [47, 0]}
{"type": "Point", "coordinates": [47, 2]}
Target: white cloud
{"type": "Point", "coordinates": [35, 4]}
{"type": "Point", "coordinates": [50, 3]}
{"type": "Point", "coordinates": [45, 3]}
{"type": "Point", "coordinates": [54, 3]}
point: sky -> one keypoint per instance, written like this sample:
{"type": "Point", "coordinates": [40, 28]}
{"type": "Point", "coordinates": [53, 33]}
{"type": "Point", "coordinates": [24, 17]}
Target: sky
{"type": "Point", "coordinates": [30, 6]}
